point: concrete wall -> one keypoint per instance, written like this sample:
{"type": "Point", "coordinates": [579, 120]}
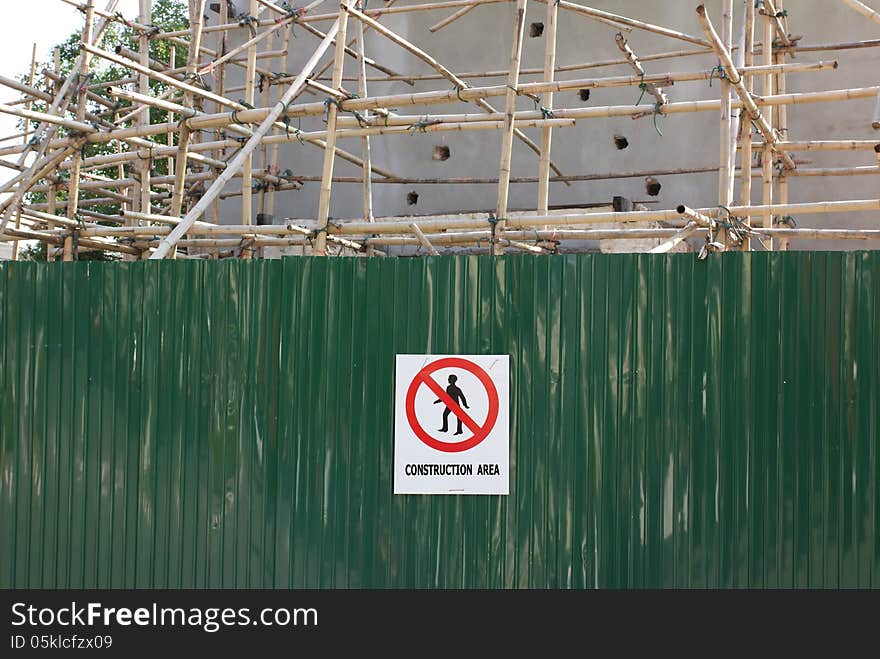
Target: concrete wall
{"type": "Point", "coordinates": [481, 41]}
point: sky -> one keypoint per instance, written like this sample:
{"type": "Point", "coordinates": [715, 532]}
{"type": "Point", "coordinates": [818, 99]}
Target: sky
{"type": "Point", "coordinates": [46, 22]}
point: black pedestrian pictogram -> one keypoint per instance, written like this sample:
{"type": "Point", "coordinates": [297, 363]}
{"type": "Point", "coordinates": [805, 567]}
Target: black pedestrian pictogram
{"type": "Point", "coordinates": [457, 395]}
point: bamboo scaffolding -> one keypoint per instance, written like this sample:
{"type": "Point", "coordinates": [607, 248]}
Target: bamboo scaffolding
{"type": "Point", "coordinates": [460, 85]}
{"type": "Point", "coordinates": [431, 225]}
{"type": "Point", "coordinates": [222, 135]}
{"type": "Point", "coordinates": [224, 119]}
{"type": "Point", "coordinates": [735, 80]}
{"type": "Point", "coordinates": [198, 210]}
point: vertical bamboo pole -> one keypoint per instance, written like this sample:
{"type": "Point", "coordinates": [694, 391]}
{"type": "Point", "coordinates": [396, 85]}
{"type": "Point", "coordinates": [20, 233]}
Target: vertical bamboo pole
{"type": "Point", "coordinates": [53, 189]}
{"type": "Point", "coordinates": [265, 164]}
{"type": "Point", "coordinates": [367, 184]}
{"type": "Point", "coordinates": [547, 131]}
{"type": "Point", "coordinates": [270, 204]}
{"type": "Point", "coordinates": [247, 172]}
{"type": "Point", "coordinates": [146, 12]}
{"type": "Point", "coordinates": [196, 12]}
{"type": "Point", "coordinates": [767, 155]}
{"type": "Point", "coordinates": [725, 170]}
{"type": "Point", "coordinates": [320, 248]}
{"type": "Point", "coordinates": [220, 154]}
{"type": "Point", "coordinates": [746, 125]}
{"type": "Point", "coordinates": [169, 138]}
{"type": "Point", "coordinates": [509, 127]}
{"type": "Point", "coordinates": [73, 187]}
{"type": "Point", "coordinates": [27, 130]}
{"type": "Point", "coordinates": [782, 122]}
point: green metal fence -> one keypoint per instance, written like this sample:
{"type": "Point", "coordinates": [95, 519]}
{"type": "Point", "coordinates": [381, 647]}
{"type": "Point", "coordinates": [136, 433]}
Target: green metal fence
{"type": "Point", "coordinates": [230, 423]}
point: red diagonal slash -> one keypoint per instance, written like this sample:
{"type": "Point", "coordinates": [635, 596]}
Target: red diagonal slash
{"type": "Point", "coordinates": [451, 404]}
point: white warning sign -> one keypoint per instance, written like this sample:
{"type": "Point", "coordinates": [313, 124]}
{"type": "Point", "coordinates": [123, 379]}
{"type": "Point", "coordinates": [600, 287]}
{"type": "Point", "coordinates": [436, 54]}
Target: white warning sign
{"type": "Point", "coordinates": [451, 424]}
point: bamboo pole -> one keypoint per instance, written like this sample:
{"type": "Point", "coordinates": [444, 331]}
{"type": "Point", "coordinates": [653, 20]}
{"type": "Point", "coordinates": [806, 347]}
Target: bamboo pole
{"type": "Point", "coordinates": [767, 152]}
{"type": "Point", "coordinates": [52, 199]}
{"type": "Point", "coordinates": [250, 83]}
{"type": "Point", "coordinates": [142, 192]}
{"type": "Point", "coordinates": [75, 126]}
{"type": "Point", "coordinates": [734, 79]}
{"type": "Point", "coordinates": [722, 46]}
{"type": "Point", "coordinates": [768, 9]}
{"type": "Point", "coordinates": [629, 22]}
{"type": "Point", "coordinates": [367, 173]}
{"type": "Point", "coordinates": [156, 75]}
{"type": "Point", "coordinates": [864, 10]}
{"type": "Point", "coordinates": [197, 9]}
{"type": "Point", "coordinates": [508, 130]}
{"type": "Point", "coordinates": [782, 123]}
{"type": "Point", "coordinates": [447, 96]}
{"type": "Point", "coordinates": [222, 119]}
{"type": "Point", "coordinates": [423, 240]}
{"type": "Point", "coordinates": [547, 132]}
{"type": "Point", "coordinates": [745, 197]}
{"type": "Point", "coordinates": [447, 237]}
{"type": "Point", "coordinates": [683, 234]}
{"type": "Point", "coordinates": [265, 163]}
{"type": "Point", "coordinates": [370, 62]}
{"type": "Point", "coordinates": [235, 165]}
{"type": "Point", "coordinates": [169, 138]}
{"type": "Point", "coordinates": [631, 58]}
{"type": "Point", "coordinates": [497, 73]}
{"type": "Point", "coordinates": [220, 81]}
{"type": "Point", "coordinates": [32, 93]}
{"type": "Point", "coordinates": [453, 17]}
{"type": "Point", "coordinates": [704, 218]}
{"type": "Point", "coordinates": [320, 248]}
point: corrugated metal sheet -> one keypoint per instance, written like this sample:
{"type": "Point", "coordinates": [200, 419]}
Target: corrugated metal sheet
{"type": "Point", "coordinates": [673, 422]}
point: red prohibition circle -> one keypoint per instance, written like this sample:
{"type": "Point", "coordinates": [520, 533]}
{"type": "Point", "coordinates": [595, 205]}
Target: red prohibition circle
{"type": "Point", "coordinates": [481, 433]}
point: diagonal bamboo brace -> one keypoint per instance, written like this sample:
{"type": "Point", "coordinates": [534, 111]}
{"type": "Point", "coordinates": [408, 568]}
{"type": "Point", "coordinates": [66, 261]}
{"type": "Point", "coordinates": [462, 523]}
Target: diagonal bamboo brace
{"type": "Point", "coordinates": [736, 81]}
